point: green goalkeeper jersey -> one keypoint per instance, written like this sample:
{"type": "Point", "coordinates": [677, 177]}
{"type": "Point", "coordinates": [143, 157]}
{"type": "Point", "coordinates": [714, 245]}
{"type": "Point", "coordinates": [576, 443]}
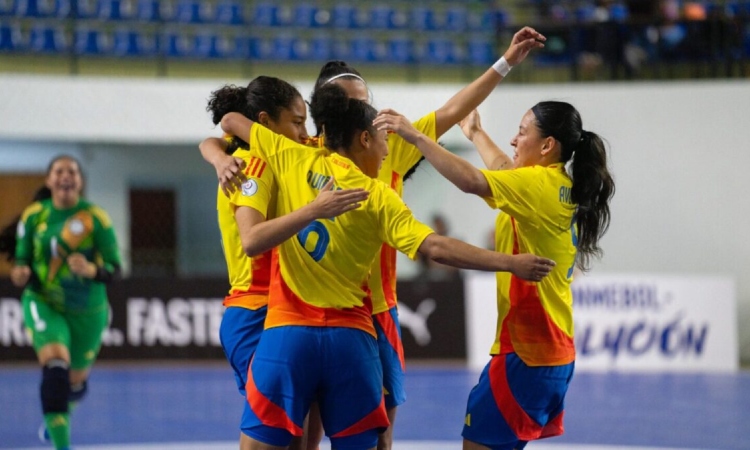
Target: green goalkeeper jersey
{"type": "Point", "coordinates": [46, 236]}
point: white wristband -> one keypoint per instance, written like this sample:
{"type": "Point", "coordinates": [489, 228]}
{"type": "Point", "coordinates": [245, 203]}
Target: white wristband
{"type": "Point", "coordinates": [502, 67]}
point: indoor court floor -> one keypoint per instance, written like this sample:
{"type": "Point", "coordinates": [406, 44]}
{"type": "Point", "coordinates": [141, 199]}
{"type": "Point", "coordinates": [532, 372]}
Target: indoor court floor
{"type": "Point", "coordinates": [165, 406]}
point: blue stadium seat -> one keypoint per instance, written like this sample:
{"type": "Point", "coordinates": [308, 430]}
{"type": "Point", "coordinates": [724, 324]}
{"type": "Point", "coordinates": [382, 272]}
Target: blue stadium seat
{"type": "Point", "coordinates": [480, 52]}
{"type": "Point", "coordinates": [422, 18]}
{"type": "Point", "coordinates": [264, 14]}
{"type": "Point", "coordinates": [321, 48]}
{"type": "Point", "coordinates": [400, 50]}
{"type": "Point", "coordinates": [441, 51]}
{"type": "Point", "coordinates": [209, 45]}
{"type": "Point", "coordinates": [304, 15]}
{"type": "Point", "coordinates": [193, 11]}
{"type": "Point", "coordinates": [381, 17]}
{"type": "Point", "coordinates": [358, 49]}
{"type": "Point", "coordinates": [179, 45]}
{"type": "Point", "coordinates": [148, 11]}
{"type": "Point", "coordinates": [342, 16]}
{"type": "Point", "coordinates": [48, 39]}
{"type": "Point", "coordinates": [456, 18]}
{"type": "Point", "coordinates": [87, 9]}
{"type": "Point", "coordinates": [10, 37]}
{"type": "Point", "coordinates": [284, 16]}
{"type": "Point", "coordinates": [115, 10]}
{"type": "Point", "coordinates": [43, 8]}
{"type": "Point", "coordinates": [8, 7]}
{"type": "Point", "coordinates": [91, 41]}
{"type": "Point", "coordinates": [129, 42]}
{"type": "Point", "coordinates": [282, 48]}
{"type": "Point", "coordinates": [230, 12]}
{"type": "Point", "coordinates": [362, 49]}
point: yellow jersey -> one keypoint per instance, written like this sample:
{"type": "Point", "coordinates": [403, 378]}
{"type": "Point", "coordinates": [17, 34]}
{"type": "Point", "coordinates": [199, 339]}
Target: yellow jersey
{"type": "Point", "coordinates": [535, 320]}
{"type": "Point", "coordinates": [248, 277]}
{"type": "Point", "coordinates": [322, 272]}
{"type": "Point", "coordinates": [401, 157]}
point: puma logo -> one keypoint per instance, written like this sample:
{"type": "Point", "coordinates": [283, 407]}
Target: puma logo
{"type": "Point", "coordinates": [416, 321]}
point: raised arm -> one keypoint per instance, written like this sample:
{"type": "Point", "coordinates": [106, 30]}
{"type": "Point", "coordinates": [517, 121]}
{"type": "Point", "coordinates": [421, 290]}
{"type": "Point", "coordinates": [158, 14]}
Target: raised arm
{"type": "Point", "coordinates": [229, 169]}
{"type": "Point", "coordinates": [456, 253]}
{"type": "Point", "coordinates": [456, 169]}
{"type": "Point", "coordinates": [468, 98]}
{"type": "Point", "coordinates": [236, 124]}
{"type": "Point", "coordinates": [492, 156]}
{"type": "Point", "coordinates": [259, 236]}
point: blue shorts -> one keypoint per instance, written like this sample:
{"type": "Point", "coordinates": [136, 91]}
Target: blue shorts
{"type": "Point", "coordinates": [239, 334]}
{"type": "Point", "coordinates": [338, 367]}
{"type": "Point", "coordinates": [391, 350]}
{"type": "Point", "coordinates": [514, 403]}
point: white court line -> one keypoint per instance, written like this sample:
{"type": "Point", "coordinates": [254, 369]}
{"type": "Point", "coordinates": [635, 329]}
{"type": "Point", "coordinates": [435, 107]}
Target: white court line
{"type": "Point", "coordinates": [398, 445]}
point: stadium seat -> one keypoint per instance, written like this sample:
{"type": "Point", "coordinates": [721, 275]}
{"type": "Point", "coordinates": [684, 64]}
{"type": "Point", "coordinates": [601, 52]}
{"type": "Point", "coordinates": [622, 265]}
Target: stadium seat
{"type": "Point", "coordinates": [441, 51]}
{"type": "Point", "coordinates": [456, 18]}
{"type": "Point", "coordinates": [321, 48]}
{"type": "Point", "coordinates": [304, 15]}
{"type": "Point", "coordinates": [283, 16]}
{"type": "Point", "coordinates": [362, 49]}
{"type": "Point", "coordinates": [179, 45]}
{"type": "Point", "coordinates": [48, 39]}
{"type": "Point", "coordinates": [381, 17]}
{"type": "Point", "coordinates": [192, 11]}
{"type": "Point", "coordinates": [342, 16]}
{"type": "Point", "coordinates": [264, 14]}
{"type": "Point", "coordinates": [230, 12]}
{"type": "Point", "coordinates": [400, 50]}
{"type": "Point", "coordinates": [358, 49]}
{"type": "Point", "coordinates": [91, 42]}
{"type": "Point", "coordinates": [10, 37]}
{"type": "Point", "coordinates": [128, 42]}
{"type": "Point", "coordinates": [87, 9]}
{"type": "Point", "coordinates": [287, 48]}
{"type": "Point", "coordinates": [43, 8]}
{"type": "Point", "coordinates": [115, 10]}
{"type": "Point", "coordinates": [8, 7]}
{"type": "Point", "coordinates": [480, 52]}
{"type": "Point", "coordinates": [148, 11]}
{"type": "Point", "coordinates": [209, 45]}
{"type": "Point", "coordinates": [422, 18]}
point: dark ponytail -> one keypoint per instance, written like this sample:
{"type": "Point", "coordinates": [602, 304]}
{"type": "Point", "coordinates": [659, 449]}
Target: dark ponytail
{"type": "Point", "coordinates": [593, 185]}
{"type": "Point", "coordinates": [268, 94]}
{"type": "Point", "coordinates": [340, 115]}
{"type": "Point", "coordinates": [8, 233]}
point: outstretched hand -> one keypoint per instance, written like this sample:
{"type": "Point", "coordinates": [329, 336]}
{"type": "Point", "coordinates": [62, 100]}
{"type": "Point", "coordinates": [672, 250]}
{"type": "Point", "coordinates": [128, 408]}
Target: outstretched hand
{"type": "Point", "coordinates": [332, 202]}
{"type": "Point", "coordinates": [229, 170]}
{"type": "Point", "coordinates": [522, 43]}
{"type": "Point", "coordinates": [391, 120]}
{"type": "Point", "coordinates": [531, 267]}
{"type": "Point", "coordinates": [471, 124]}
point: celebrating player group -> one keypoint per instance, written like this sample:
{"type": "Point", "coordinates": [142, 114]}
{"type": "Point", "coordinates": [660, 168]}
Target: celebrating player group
{"type": "Point", "coordinates": [310, 227]}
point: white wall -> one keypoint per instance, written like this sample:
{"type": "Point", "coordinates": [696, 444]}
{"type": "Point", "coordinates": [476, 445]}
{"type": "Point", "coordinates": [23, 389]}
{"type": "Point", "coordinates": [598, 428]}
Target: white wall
{"type": "Point", "coordinates": [679, 152]}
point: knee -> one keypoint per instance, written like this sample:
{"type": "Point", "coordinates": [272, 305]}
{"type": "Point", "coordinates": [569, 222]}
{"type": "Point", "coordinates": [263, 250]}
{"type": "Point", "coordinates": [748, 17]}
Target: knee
{"type": "Point", "coordinates": [55, 388]}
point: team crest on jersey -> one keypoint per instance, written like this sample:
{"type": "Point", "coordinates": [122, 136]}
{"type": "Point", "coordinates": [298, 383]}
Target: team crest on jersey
{"type": "Point", "coordinates": [249, 188]}
{"type": "Point", "coordinates": [76, 227]}
{"type": "Point", "coordinates": [20, 230]}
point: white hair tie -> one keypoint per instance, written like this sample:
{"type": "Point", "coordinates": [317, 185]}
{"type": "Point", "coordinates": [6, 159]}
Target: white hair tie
{"type": "Point", "coordinates": [341, 75]}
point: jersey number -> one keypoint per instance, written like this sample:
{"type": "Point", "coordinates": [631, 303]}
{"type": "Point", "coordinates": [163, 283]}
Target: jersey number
{"type": "Point", "coordinates": [321, 245]}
